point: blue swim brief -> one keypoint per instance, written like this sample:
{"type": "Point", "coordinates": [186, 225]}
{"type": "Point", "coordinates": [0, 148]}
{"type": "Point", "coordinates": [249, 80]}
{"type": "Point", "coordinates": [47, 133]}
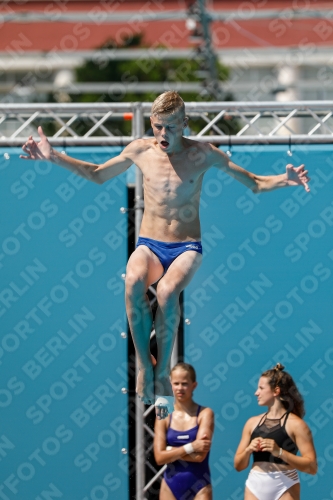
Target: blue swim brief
{"type": "Point", "coordinates": [168, 252]}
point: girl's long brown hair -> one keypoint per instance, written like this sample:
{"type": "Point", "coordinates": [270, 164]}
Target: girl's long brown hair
{"type": "Point", "coordinates": [290, 396]}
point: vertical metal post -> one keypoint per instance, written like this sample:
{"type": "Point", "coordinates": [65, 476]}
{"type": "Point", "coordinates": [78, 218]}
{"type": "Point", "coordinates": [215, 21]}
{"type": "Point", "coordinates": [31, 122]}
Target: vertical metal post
{"type": "Point", "coordinates": [137, 132]}
{"type": "Point", "coordinates": [205, 51]}
{"type": "Point", "coordinates": [174, 355]}
{"type": "Point", "coordinates": [209, 54]}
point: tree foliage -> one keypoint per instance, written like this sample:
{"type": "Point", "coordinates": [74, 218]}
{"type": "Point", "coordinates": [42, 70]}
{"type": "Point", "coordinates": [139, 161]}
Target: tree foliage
{"type": "Point", "coordinates": [127, 73]}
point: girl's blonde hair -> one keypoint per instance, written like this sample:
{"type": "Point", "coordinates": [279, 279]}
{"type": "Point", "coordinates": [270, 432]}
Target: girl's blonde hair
{"type": "Point", "coordinates": [187, 368]}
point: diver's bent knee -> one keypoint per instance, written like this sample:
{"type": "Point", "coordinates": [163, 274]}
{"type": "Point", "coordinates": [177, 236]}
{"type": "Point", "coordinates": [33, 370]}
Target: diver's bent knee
{"type": "Point", "coordinates": [166, 292]}
{"type": "Point", "coordinates": [135, 284]}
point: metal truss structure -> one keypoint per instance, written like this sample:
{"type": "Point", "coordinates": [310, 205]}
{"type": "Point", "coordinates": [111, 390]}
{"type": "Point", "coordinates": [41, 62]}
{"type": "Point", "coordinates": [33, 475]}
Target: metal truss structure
{"type": "Point", "coordinates": [96, 124]}
{"type": "Point", "coordinates": [99, 123]}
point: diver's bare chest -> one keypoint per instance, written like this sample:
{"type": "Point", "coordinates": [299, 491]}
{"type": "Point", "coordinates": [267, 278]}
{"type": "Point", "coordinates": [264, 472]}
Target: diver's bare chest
{"type": "Point", "coordinates": [163, 173]}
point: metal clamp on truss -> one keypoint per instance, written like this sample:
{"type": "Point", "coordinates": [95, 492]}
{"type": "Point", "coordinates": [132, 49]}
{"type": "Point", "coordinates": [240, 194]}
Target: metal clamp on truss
{"type": "Point", "coordinates": [138, 205]}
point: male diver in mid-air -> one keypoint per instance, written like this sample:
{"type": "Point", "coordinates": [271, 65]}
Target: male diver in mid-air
{"type": "Point", "coordinates": [169, 249]}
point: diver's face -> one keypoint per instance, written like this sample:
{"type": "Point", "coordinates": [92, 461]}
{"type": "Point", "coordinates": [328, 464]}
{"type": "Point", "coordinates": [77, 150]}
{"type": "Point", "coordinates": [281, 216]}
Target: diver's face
{"type": "Point", "coordinates": [168, 130]}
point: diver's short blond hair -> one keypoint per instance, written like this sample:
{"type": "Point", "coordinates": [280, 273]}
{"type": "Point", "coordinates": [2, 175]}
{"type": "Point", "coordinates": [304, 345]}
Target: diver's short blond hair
{"type": "Point", "coordinates": [168, 103]}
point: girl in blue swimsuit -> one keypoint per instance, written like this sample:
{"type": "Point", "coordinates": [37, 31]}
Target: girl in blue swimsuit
{"type": "Point", "coordinates": [183, 440]}
{"type": "Point", "coordinates": [274, 439]}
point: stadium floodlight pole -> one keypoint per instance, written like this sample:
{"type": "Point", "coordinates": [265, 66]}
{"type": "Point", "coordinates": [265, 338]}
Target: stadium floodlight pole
{"type": "Point", "coordinates": [140, 464]}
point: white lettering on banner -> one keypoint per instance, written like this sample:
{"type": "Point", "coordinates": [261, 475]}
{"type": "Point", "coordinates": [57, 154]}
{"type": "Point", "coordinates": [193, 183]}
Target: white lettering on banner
{"type": "Point", "coordinates": [311, 378]}
{"type": "Point", "coordinates": [25, 471]}
{"type": "Point", "coordinates": [247, 202]}
{"type": "Point", "coordinates": [116, 284]}
{"type": "Point", "coordinates": [115, 238]}
{"type": "Point", "coordinates": [12, 244]}
{"type": "Point", "coordinates": [292, 205]}
{"type": "Point", "coordinates": [316, 229]}
{"type": "Point", "coordinates": [224, 465]}
{"type": "Point", "coordinates": [16, 289]}
{"type": "Point", "coordinates": [10, 342]}
{"type": "Point", "coordinates": [100, 397]}
{"type": "Point", "coordinates": [52, 492]}
{"type": "Point", "coordinates": [61, 389]}
{"type": "Point", "coordinates": [106, 438]}
{"type": "Point", "coordinates": [316, 373]}
{"type": "Point", "coordinates": [283, 309]}
{"type": "Point", "coordinates": [236, 357]}
{"type": "Point", "coordinates": [101, 491]}
{"type": "Point", "coordinates": [5, 444]}
{"type": "Point", "coordinates": [57, 295]}
{"type": "Point", "coordinates": [56, 345]}
{"type": "Point", "coordinates": [203, 294]}
{"type": "Point", "coordinates": [67, 190]}
{"type": "Point", "coordinates": [91, 213]}
{"type": "Point", "coordinates": [231, 410]}
{"type": "Point", "coordinates": [14, 387]}
{"type": "Point", "coordinates": [27, 180]}
{"type": "Point", "coordinates": [236, 260]}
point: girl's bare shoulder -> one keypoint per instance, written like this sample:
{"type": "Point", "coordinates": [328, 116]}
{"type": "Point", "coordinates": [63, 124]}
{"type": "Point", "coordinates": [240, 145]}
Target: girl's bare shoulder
{"type": "Point", "coordinates": [252, 422]}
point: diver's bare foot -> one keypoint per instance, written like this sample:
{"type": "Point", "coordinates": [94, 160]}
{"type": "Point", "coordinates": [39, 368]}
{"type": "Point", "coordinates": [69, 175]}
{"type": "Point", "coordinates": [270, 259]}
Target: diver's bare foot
{"type": "Point", "coordinates": [164, 405]}
{"type": "Point", "coordinates": [163, 394]}
{"type": "Point", "coordinates": [145, 385]}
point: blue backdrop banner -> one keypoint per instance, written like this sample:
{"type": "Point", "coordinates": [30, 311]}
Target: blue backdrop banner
{"type": "Point", "coordinates": [63, 349]}
{"type": "Point", "coordinates": [264, 295]}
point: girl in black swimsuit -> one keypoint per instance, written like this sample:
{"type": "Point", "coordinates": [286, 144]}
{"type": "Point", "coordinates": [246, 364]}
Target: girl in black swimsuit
{"type": "Point", "coordinates": [274, 439]}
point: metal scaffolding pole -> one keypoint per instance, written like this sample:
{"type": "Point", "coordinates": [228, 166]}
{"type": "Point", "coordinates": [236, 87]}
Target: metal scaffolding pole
{"type": "Point", "coordinates": [212, 83]}
{"type": "Point", "coordinates": [138, 132]}
{"type": "Point", "coordinates": [205, 53]}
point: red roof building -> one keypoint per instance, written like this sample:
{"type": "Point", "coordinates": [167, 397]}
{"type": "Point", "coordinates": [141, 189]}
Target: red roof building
{"type": "Point", "coordinates": [287, 40]}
